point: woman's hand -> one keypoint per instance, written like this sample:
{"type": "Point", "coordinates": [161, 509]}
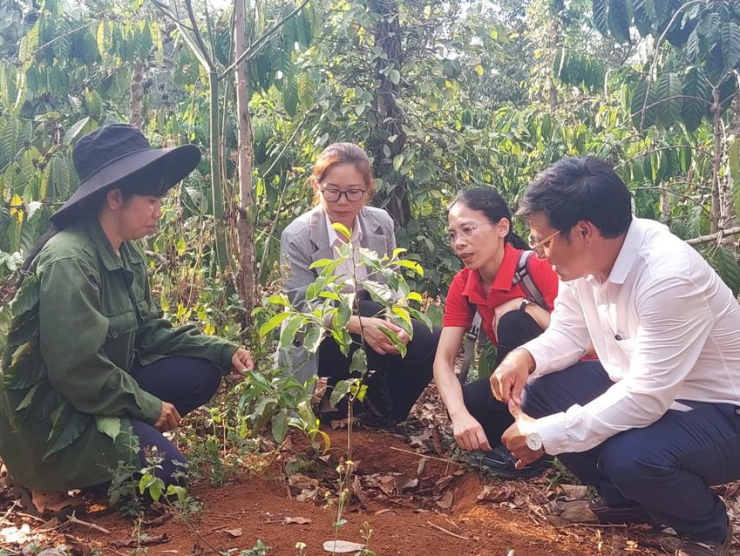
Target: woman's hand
{"type": "Point", "coordinates": [469, 433]}
{"type": "Point", "coordinates": [241, 362]}
{"type": "Point", "coordinates": [169, 418]}
{"type": "Point", "coordinates": [379, 342]}
{"type": "Point", "coordinates": [501, 310]}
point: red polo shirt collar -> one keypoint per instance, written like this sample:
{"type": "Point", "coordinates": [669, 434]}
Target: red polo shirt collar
{"type": "Point", "coordinates": [473, 289]}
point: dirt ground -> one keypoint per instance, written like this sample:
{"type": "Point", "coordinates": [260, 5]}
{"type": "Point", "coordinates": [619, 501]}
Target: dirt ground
{"type": "Point", "coordinates": [404, 487]}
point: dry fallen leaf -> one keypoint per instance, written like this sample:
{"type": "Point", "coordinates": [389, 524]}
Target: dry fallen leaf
{"type": "Point", "coordinates": [579, 514]}
{"type": "Point", "coordinates": [494, 494]}
{"type": "Point", "coordinates": [575, 491]}
{"type": "Point", "coordinates": [446, 501]}
{"type": "Point", "coordinates": [234, 532]}
{"type": "Point", "coordinates": [342, 547]}
{"type": "Point", "coordinates": [146, 540]}
{"type": "Point", "coordinates": [298, 520]}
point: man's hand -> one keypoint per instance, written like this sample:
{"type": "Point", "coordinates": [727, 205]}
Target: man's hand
{"type": "Point", "coordinates": [501, 310]}
{"type": "Point", "coordinates": [509, 379]}
{"type": "Point", "coordinates": [241, 362]}
{"type": "Point", "coordinates": [379, 342]}
{"type": "Point", "coordinates": [169, 418]}
{"type": "Point", "coordinates": [469, 433]}
{"type": "Point", "coordinates": [515, 437]}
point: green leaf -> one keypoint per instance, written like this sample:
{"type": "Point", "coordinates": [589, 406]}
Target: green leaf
{"type": "Point", "coordinates": [313, 337]}
{"type": "Point", "coordinates": [733, 154]}
{"type": "Point", "coordinates": [67, 425]}
{"type": "Point", "coordinates": [341, 389]}
{"type": "Point", "coordinates": [696, 91]}
{"type": "Point", "coordinates": [290, 330]}
{"type": "Point", "coordinates": [619, 20]}
{"type": "Point", "coordinates": [344, 313]}
{"type": "Point", "coordinates": [321, 263]}
{"type": "Point", "coordinates": [75, 129]}
{"type": "Point", "coordinates": [393, 337]}
{"type": "Point", "coordinates": [730, 35]}
{"type": "Point", "coordinates": [395, 76]}
{"type": "Point", "coordinates": [414, 296]}
{"type": "Point", "coordinates": [397, 162]}
{"type": "Point", "coordinates": [273, 323]}
{"type": "Point", "coordinates": [668, 92]}
{"type": "Point", "coordinates": [403, 319]}
{"type": "Point", "coordinates": [725, 264]}
{"type": "Point", "coordinates": [109, 426]}
{"type": "Point", "coordinates": [413, 265]}
{"type": "Point", "coordinates": [359, 362]}
{"type": "Point", "coordinates": [379, 292]}
{"type": "Point", "coordinates": [421, 317]}
{"type": "Point", "coordinates": [601, 12]}
{"type": "Point", "coordinates": [644, 113]}
{"type": "Point", "coordinates": [280, 299]}
{"type": "Point", "coordinates": [26, 370]}
{"type": "Point", "coordinates": [28, 399]}
{"type": "Point", "coordinates": [280, 425]}
{"type": "Point", "coordinates": [342, 229]}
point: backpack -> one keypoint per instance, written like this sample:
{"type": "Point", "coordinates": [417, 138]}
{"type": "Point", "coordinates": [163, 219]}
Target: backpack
{"type": "Point", "coordinates": [521, 276]}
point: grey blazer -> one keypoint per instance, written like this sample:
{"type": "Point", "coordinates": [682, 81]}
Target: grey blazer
{"type": "Point", "coordinates": [305, 241]}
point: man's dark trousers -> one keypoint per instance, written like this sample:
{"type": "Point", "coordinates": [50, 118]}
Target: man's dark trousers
{"type": "Point", "coordinates": [666, 467]}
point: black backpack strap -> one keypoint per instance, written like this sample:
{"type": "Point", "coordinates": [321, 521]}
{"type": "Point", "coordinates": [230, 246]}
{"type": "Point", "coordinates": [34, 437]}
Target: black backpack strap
{"type": "Point", "coordinates": [470, 337]}
{"type": "Point", "coordinates": [522, 276]}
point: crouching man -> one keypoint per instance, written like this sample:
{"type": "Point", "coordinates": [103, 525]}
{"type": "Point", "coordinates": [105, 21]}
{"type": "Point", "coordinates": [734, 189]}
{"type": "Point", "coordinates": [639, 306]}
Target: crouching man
{"type": "Point", "coordinates": [655, 421]}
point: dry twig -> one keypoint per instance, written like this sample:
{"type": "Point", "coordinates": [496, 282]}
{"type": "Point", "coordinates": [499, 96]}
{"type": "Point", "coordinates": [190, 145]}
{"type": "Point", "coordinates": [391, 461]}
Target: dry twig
{"type": "Point", "coordinates": [438, 528]}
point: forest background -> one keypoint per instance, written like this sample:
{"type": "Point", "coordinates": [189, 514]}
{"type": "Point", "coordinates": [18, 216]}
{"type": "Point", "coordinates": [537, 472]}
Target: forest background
{"type": "Point", "coordinates": [443, 95]}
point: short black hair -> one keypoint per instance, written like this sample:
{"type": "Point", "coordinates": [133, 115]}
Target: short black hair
{"type": "Point", "coordinates": [580, 188]}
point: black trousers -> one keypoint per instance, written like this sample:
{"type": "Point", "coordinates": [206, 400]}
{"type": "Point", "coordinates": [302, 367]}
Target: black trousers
{"type": "Point", "coordinates": [515, 328]}
{"type": "Point", "coordinates": [394, 383]}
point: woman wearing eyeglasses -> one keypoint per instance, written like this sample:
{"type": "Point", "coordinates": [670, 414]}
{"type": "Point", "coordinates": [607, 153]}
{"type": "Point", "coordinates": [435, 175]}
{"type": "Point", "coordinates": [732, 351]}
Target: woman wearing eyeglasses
{"type": "Point", "coordinates": [480, 233]}
{"type": "Point", "coordinates": [342, 181]}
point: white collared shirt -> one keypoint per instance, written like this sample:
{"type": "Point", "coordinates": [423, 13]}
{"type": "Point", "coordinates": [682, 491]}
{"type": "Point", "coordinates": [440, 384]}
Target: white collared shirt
{"type": "Point", "coordinates": [665, 328]}
{"type": "Point", "coordinates": [347, 267]}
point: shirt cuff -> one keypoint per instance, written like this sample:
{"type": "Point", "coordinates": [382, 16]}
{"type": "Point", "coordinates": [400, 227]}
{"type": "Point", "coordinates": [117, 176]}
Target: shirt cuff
{"type": "Point", "coordinates": [552, 431]}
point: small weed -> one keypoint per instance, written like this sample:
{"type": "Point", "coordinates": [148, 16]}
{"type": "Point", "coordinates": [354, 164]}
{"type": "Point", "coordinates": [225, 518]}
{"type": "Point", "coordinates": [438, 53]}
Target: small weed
{"type": "Point", "coordinates": [258, 549]}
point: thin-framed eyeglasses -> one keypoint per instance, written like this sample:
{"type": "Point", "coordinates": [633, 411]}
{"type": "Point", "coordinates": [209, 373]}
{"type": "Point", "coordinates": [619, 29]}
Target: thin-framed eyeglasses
{"type": "Point", "coordinates": [333, 195]}
{"type": "Point", "coordinates": [464, 232]}
{"type": "Point", "coordinates": [540, 246]}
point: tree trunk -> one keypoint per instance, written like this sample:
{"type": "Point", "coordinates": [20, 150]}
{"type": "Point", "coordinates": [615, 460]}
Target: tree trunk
{"type": "Point", "coordinates": [217, 194]}
{"type": "Point", "coordinates": [389, 116]}
{"type": "Point", "coordinates": [136, 101]}
{"type": "Point", "coordinates": [245, 219]}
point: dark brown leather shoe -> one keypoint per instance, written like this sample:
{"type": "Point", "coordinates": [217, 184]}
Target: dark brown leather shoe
{"type": "Point", "coordinates": [630, 513]}
{"type": "Point", "coordinates": [706, 548]}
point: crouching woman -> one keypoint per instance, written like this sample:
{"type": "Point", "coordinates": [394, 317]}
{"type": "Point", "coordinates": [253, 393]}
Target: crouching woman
{"type": "Point", "coordinates": [92, 375]}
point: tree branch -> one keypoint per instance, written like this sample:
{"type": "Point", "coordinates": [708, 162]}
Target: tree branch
{"type": "Point", "coordinates": [260, 42]}
{"type": "Point", "coordinates": [713, 237]}
{"type": "Point", "coordinates": [198, 37]}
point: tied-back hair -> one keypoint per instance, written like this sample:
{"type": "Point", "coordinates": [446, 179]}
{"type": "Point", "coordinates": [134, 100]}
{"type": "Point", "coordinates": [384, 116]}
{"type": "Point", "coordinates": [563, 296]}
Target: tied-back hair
{"type": "Point", "coordinates": [489, 202]}
{"type": "Point", "coordinates": [342, 153]}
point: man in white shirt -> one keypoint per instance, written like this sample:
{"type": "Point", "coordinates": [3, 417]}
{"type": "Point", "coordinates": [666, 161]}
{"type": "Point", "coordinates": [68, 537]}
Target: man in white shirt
{"type": "Point", "coordinates": [654, 422]}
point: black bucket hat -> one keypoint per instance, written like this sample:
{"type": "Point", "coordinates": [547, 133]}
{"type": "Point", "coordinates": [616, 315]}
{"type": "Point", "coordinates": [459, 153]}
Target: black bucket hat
{"type": "Point", "coordinates": [116, 155]}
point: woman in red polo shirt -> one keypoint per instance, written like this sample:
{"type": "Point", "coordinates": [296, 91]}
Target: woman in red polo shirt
{"type": "Point", "coordinates": [480, 233]}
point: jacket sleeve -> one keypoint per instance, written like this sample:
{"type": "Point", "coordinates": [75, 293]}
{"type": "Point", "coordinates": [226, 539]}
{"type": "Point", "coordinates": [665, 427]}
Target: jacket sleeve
{"type": "Point", "coordinates": [72, 333]}
{"type": "Point", "coordinates": [297, 275]}
{"type": "Point", "coordinates": [157, 336]}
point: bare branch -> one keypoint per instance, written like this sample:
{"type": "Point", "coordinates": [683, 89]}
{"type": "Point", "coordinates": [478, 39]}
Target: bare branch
{"type": "Point", "coordinates": [713, 237]}
{"type": "Point", "coordinates": [260, 42]}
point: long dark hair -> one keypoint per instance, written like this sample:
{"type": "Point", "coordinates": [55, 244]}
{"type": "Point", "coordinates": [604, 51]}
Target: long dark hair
{"type": "Point", "coordinates": [489, 202]}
